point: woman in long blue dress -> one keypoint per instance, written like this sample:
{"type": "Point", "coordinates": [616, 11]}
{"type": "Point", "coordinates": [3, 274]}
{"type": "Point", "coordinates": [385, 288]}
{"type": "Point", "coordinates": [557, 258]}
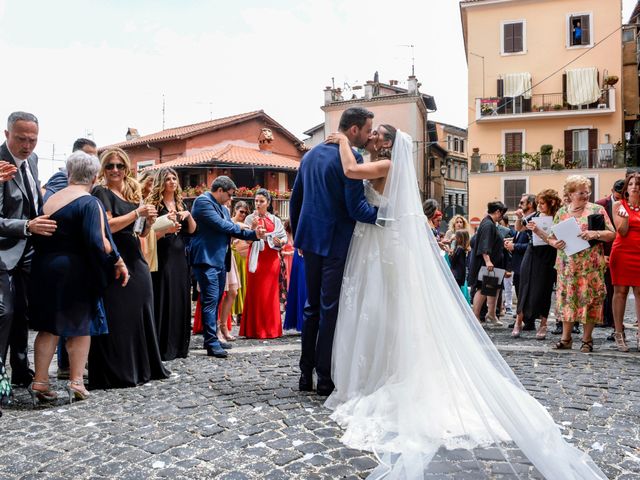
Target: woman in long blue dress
{"type": "Point", "coordinates": [297, 294]}
{"type": "Point", "coordinates": [74, 264]}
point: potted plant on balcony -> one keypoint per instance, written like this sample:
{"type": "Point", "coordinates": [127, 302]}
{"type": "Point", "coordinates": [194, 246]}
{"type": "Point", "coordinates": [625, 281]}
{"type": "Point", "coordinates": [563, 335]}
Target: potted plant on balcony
{"type": "Point", "coordinates": [557, 106]}
{"type": "Point", "coordinates": [500, 163]}
{"type": "Point", "coordinates": [513, 162]}
{"type": "Point", "coordinates": [531, 161]}
{"type": "Point", "coordinates": [557, 161]}
{"type": "Point", "coordinates": [611, 80]}
{"type": "Point", "coordinates": [545, 155]}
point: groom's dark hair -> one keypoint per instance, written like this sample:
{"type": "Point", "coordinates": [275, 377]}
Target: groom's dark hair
{"type": "Point", "coordinates": [354, 116]}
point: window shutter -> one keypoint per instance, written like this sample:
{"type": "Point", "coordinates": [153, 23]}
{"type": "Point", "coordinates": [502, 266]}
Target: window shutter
{"type": "Point", "coordinates": [512, 143]}
{"type": "Point", "coordinates": [586, 34]}
{"type": "Point", "coordinates": [593, 139]}
{"type": "Point", "coordinates": [500, 88]}
{"type": "Point", "coordinates": [518, 41]}
{"type": "Point", "coordinates": [508, 38]}
{"type": "Point", "coordinates": [568, 143]}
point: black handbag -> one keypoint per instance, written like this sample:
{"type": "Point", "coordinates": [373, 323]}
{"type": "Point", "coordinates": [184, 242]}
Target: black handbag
{"type": "Point", "coordinates": [490, 285]}
{"type": "Point", "coordinates": [595, 221]}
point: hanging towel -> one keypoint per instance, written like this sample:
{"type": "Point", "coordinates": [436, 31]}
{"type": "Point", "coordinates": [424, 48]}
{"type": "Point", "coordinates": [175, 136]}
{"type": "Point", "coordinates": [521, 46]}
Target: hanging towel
{"type": "Point", "coordinates": [517, 84]}
{"type": "Point", "coordinates": [582, 86]}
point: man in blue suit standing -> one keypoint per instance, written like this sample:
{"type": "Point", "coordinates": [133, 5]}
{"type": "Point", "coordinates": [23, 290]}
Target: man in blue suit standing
{"type": "Point", "coordinates": [211, 257]}
{"type": "Point", "coordinates": [324, 208]}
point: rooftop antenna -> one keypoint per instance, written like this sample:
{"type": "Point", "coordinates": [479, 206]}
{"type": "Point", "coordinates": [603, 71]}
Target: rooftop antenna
{"type": "Point", "coordinates": [413, 59]}
{"type": "Point", "coordinates": [333, 83]}
{"type": "Point", "coordinates": [163, 105]}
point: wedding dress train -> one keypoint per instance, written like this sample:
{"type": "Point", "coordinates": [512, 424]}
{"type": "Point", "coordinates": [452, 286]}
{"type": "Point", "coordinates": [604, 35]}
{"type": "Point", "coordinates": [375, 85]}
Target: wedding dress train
{"type": "Point", "coordinates": [413, 369]}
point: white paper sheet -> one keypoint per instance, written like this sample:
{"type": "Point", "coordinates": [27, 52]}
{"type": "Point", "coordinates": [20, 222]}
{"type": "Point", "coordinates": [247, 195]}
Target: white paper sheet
{"type": "Point", "coordinates": [545, 223]}
{"type": "Point", "coordinates": [568, 231]}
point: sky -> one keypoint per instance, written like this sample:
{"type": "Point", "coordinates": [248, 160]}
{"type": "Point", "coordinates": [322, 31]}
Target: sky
{"type": "Point", "coordinates": [97, 67]}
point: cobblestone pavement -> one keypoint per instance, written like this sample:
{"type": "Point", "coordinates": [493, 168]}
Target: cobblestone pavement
{"type": "Point", "coordinates": [243, 418]}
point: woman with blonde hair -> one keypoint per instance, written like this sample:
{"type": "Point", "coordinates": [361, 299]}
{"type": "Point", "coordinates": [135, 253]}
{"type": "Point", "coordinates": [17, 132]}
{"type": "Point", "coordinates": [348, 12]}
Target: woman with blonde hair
{"type": "Point", "coordinates": [148, 243]}
{"type": "Point", "coordinates": [171, 281]}
{"type": "Point", "coordinates": [580, 287]}
{"type": "Point", "coordinates": [240, 250]}
{"type": "Point", "coordinates": [457, 222]}
{"type": "Point", "coordinates": [129, 354]}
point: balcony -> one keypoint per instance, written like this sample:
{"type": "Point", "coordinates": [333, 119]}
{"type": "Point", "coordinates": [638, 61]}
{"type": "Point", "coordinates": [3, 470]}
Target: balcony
{"type": "Point", "coordinates": [558, 160]}
{"type": "Point", "coordinates": [541, 105]}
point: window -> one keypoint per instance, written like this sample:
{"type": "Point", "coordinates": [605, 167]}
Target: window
{"type": "Point", "coordinates": [450, 200]}
{"type": "Point", "coordinates": [513, 190]}
{"type": "Point", "coordinates": [456, 144]}
{"type": "Point", "coordinates": [594, 185]}
{"type": "Point", "coordinates": [456, 199]}
{"type": "Point", "coordinates": [144, 163]}
{"type": "Point", "coordinates": [513, 37]}
{"type": "Point", "coordinates": [455, 172]}
{"type": "Point", "coordinates": [579, 30]}
{"type": "Point", "coordinates": [448, 170]}
{"type": "Point", "coordinates": [628, 35]}
{"type": "Point", "coordinates": [449, 142]}
{"type": "Point", "coordinates": [461, 146]}
{"type": "Point", "coordinates": [513, 142]}
{"type": "Point", "coordinates": [462, 199]}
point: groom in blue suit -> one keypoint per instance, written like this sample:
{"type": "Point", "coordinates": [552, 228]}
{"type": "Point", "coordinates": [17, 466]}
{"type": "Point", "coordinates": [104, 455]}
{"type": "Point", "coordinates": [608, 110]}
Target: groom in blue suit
{"type": "Point", "coordinates": [324, 208]}
{"type": "Point", "coordinates": [211, 256]}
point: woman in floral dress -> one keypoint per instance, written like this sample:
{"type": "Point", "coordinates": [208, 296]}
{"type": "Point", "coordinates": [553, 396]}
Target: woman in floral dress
{"type": "Point", "coordinates": [580, 287]}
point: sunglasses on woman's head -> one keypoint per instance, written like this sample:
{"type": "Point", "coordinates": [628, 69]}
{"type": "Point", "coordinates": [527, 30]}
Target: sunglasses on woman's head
{"type": "Point", "coordinates": [111, 166]}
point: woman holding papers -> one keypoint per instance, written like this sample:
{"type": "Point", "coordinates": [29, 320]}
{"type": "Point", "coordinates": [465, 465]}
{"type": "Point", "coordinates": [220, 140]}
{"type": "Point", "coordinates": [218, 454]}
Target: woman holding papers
{"type": "Point", "coordinates": [538, 273]}
{"type": "Point", "coordinates": [580, 289]}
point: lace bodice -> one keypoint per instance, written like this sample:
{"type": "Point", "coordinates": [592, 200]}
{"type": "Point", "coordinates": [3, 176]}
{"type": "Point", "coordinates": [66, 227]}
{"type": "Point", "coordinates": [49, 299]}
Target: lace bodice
{"type": "Point", "coordinates": [371, 194]}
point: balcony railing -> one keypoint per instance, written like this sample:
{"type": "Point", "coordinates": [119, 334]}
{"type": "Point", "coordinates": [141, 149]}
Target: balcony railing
{"type": "Point", "coordinates": [541, 104]}
{"type": "Point", "coordinates": [558, 160]}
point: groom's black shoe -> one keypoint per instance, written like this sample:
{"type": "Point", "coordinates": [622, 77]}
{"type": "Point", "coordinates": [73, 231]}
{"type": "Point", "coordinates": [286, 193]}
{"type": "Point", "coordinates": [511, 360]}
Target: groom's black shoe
{"type": "Point", "coordinates": [305, 383]}
{"type": "Point", "coordinates": [325, 387]}
{"type": "Point", "coordinates": [217, 352]}
{"type": "Point", "coordinates": [226, 346]}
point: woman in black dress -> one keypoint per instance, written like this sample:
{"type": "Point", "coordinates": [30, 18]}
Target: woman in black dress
{"type": "Point", "coordinates": [74, 263]}
{"type": "Point", "coordinates": [171, 282]}
{"type": "Point", "coordinates": [129, 354]}
{"type": "Point", "coordinates": [537, 273]}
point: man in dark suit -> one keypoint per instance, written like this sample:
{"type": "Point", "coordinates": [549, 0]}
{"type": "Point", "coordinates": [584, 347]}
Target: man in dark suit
{"type": "Point", "coordinates": [58, 180]}
{"type": "Point", "coordinates": [324, 207]}
{"type": "Point", "coordinates": [607, 203]}
{"type": "Point", "coordinates": [20, 205]}
{"type": "Point", "coordinates": [211, 256]}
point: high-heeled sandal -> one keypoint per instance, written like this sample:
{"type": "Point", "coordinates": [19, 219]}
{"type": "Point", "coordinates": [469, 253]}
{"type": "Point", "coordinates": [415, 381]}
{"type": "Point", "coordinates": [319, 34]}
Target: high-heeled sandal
{"type": "Point", "coordinates": [517, 330]}
{"type": "Point", "coordinates": [541, 334]}
{"type": "Point", "coordinates": [564, 345]}
{"type": "Point", "coordinates": [47, 395]}
{"type": "Point", "coordinates": [621, 345]}
{"type": "Point", "coordinates": [77, 393]}
{"type": "Point", "coordinates": [586, 347]}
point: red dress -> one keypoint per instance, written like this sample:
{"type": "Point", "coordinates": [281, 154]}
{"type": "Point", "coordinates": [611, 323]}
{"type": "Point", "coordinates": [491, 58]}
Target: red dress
{"type": "Point", "coordinates": [624, 262]}
{"type": "Point", "coordinates": [261, 314]}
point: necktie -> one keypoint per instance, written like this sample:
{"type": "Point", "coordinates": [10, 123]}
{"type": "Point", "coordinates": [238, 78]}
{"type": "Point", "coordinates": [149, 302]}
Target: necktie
{"type": "Point", "coordinates": [27, 187]}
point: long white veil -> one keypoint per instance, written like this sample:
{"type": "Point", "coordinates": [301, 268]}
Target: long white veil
{"type": "Point", "coordinates": [414, 370]}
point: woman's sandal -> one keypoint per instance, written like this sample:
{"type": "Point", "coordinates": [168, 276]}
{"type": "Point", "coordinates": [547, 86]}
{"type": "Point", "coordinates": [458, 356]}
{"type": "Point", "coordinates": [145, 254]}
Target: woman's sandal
{"type": "Point", "coordinates": [76, 393]}
{"type": "Point", "coordinates": [586, 347]}
{"type": "Point", "coordinates": [621, 345]}
{"type": "Point", "coordinates": [564, 345]}
{"type": "Point", "coordinates": [47, 395]}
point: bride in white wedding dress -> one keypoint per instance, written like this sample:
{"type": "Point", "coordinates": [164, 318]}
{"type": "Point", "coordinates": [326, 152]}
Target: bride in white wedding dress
{"type": "Point", "coordinates": [413, 370]}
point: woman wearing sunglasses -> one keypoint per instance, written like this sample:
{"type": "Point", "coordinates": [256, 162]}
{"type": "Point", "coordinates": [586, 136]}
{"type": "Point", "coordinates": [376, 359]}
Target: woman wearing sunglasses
{"type": "Point", "coordinates": [240, 249]}
{"type": "Point", "coordinates": [128, 355]}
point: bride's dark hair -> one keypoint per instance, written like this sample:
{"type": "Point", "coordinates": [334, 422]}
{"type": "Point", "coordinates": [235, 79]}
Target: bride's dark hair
{"type": "Point", "coordinates": [390, 135]}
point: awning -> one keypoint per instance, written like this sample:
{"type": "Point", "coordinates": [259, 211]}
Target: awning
{"type": "Point", "coordinates": [582, 86]}
{"type": "Point", "coordinates": [517, 84]}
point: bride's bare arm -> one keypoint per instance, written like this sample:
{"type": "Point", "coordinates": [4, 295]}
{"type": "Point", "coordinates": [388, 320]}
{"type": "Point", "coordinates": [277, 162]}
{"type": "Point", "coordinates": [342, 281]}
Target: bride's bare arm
{"type": "Point", "coordinates": [353, 169]}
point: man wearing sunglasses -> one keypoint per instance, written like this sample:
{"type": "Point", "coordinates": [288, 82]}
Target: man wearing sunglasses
{"type": "Point", "coordinates": [211, 256]}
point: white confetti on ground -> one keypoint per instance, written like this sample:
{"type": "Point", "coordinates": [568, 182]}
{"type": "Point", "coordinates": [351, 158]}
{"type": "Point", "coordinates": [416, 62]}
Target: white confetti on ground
{"type": "Point", "coordinates": [307, 456]}
{"type": "Point", "coordinates": [232, 419]}
{"type": "Point", "coordinates": [566, 422]}
{"type": "Point", "coordinates": [260, 445]}
{"type": "Point", "coordinates": [90, 424]}
{"type": "Point", "coordinates": [596, 404]}
{"type": "Point", "coordinates": [309, 410]}
{"type": "Point", "coordinates": [242, 437]}
{"type": "Point", "coordinates": [297, 442]}
{"type": "Point", "coordinates": [598, 446]}
{"type": "Point", "coordinates": [158, 464]}
{"type": "Point", "coordinates": [257, 409]}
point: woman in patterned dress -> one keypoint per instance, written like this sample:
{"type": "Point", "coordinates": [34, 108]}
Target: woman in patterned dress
{"type": "Point", "coordinates": [580, 287]}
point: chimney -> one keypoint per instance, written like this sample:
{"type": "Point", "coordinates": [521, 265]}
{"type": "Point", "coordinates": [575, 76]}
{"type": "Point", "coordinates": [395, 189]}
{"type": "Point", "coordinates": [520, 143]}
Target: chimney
{"type": "Point", "coordinates": [132, 133]}
{"type": "Point", "coordinates": [265, 140]}
{"type": "Point", "coordinates": [393, 83]}
{"type": "Point", "coordinates": [412, 85]}
{"type": "Point", "coordinates": [368, 90]}
{"type": "Point", "coordinates": [327, 95]}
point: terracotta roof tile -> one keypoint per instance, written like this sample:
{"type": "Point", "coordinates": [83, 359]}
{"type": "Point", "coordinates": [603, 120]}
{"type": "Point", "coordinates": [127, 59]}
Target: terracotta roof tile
{"type": "Point", "coordinates": [232, 155]}
{"type": "Point", "coordinates": [184, 131]}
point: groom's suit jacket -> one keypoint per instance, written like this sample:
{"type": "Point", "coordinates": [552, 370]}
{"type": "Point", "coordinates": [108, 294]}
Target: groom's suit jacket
{"type": "Point", "coordinates": [14, 212]}
{"type": "Point", "coordinates": [325, 204]}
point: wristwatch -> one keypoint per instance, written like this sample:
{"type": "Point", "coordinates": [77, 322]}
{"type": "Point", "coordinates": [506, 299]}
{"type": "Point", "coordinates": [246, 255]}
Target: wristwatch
{"type": "Point", "coordinates": [27, 233]}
